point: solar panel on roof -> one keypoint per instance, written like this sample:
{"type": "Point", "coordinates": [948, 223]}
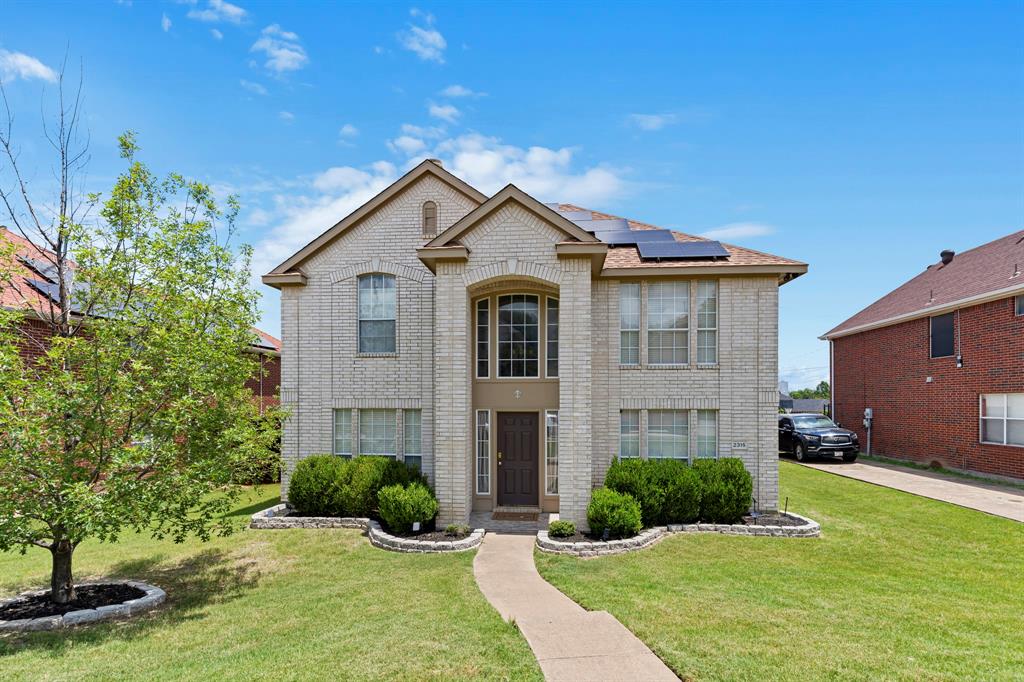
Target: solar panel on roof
{"type": "Point", "coordinates": [576, 215]}
{"type": "Point", "coordinates": [52, 292]}
{"type": "Point", "coordinates": [681, 250]}
{"type": "Point", "coordinates": [604, 225]}
{"type": "Point", "coordinates": [633, 237]}
{"type": "Point", "coordinates": [44, 268]}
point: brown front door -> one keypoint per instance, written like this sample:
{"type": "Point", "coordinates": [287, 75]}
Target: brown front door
{"type": "Point", "coordinates": [518, 453]}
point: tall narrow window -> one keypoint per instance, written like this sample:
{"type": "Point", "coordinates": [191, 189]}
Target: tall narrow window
{"type": "Point", "coordinates": [483, 452]}
{"type": "Point", "coordinates": [429, 219]}
{"type": "Point", "coordinates": [1002, 418]}
{"type": "Point", "coordinates": [629, 434]}
{"type": "Point", "coordinates": [1019, 301]}
{"type": "Point", "coordinates": [551, 452]}
{"type": "Point", "coordinates": [668, 323]}
{"type": "Point", "coordinates": [941, 328]}
{"type": "Point", "coordinates": [413, 437]}
{"type": "Point", "coordinates": [668, 434]}
{"type": "Point", "coordinates": [377, 313]}
{"type": "Point", "coordinates": [483, 338]}
{"type": "Point", "coordinates": [707, 322]}
{"type": "Point", "coordinates": [377, 432]}
{"type": "Point", "coordinates": [518, 335]}
{"type": "Point", "coordinates": [629, 324]}
{"type": "Point", "coordinates": [552, 345]}
{"type": "Point", "coordinates": [343, 433]}
{"type": "Point", "coordinates": [707, 434]}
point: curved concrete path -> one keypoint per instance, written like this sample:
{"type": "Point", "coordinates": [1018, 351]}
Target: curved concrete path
{"type": "Point", "coordinates": [570, 643]}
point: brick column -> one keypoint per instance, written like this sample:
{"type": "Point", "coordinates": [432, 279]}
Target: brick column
{"type": "Point", "coordinates": [575, 444]}
{"type": "Point", "coordinates": [453, 465]}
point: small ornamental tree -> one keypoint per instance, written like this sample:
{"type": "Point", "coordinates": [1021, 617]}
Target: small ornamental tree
{"type": "Point", "coordinates": [133, 415]}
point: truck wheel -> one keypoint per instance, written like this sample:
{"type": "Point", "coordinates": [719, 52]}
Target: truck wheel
{"type": "Point", "coordinates": [850, 456]}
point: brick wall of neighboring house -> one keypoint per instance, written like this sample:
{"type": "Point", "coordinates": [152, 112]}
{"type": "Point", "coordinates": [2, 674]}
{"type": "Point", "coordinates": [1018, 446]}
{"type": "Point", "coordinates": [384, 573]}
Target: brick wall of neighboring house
{"type": "Point", "coordinates": [886, 369]}
{"type": "Point", "coordinates": [267, 380]}
{"type": "Point", "coordinates": [33, 338]}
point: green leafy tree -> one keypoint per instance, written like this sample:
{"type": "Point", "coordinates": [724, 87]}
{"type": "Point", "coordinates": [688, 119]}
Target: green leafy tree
{"type": "Point", "coordinates": [822, 390]}
{"type": "Point", "coordinates": [134, 415]}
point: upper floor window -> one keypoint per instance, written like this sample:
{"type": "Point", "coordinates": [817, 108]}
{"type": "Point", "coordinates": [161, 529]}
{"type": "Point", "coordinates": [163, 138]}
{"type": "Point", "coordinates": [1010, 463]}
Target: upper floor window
{"type": "Point", "coordinates": [942, 335]}
{"type": "Point", "coordinates": [629, 324]}
{"type": "Point", "coordinates": [552, 338]}
{"type": "Point", "coordinates": [668, 323]}
{"type": "Point", "coordinates": [518, 335]}
{"type": "Point", "coordinates": [707, 322]}
{"type": "Point", "coordinates": [377, 313]}
{"type": "Point", "coordinates": [429, 218]}
{"type": "Point", "coordinates": [1020, 305]}
{"type": "Point", "coordinates": [1002, 418]}
{"type": "Point", "coordinates": [483, 338]}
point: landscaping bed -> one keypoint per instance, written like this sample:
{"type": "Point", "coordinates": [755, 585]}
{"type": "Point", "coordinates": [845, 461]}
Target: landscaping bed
{"type": "Point", "coordinates": [93, 602]}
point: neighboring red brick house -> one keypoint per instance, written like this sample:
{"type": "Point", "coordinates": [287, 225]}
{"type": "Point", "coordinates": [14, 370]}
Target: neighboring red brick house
{"type": "Point", "coordinates": [33, 276]}
{"type": "Point", "coordinates": [940, 362]}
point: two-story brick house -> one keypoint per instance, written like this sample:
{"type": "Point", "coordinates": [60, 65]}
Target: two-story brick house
{"type": "Point", "coordinates": [940, 363]}
{"type": "Point", "coordinates": [512, 348]}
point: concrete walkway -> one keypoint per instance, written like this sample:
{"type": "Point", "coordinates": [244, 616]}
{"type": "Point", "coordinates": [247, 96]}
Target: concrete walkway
{"type": "Point", "coordinates": [570, 643]}
{"type": "Point", "coordinates": [987, 497]}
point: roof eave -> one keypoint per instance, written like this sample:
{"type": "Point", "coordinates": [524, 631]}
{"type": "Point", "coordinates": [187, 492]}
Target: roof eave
{"type": "Point", "coordinates": [786, 272]}
{"type": "Point", "coordinates": [432, 255]}
{"type": "Point", "coordinates": [284, 279]}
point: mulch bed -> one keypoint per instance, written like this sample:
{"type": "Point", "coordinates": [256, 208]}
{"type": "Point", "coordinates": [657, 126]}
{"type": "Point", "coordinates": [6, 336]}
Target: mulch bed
{"type": "Point", "coordinates": [580, 537]}
{"type": "Point", "coordinates": [772, 520]}
{"type": "Point", "coordinates": [434, 536]}
{"type": "Point", "coordinates": [86, 597]}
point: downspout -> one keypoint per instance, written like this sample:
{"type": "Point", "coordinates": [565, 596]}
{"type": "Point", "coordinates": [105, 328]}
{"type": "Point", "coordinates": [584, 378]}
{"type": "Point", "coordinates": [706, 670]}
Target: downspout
{"type": "Point", "coordinates": [831, 379]}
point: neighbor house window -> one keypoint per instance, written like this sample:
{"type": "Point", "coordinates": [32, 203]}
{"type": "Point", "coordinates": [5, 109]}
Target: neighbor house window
{"type": "Point", "coordinates": [552, 338]}
{"type": "Point", "coordinates": [1019, 303]}
{"type": "Point", "coordinates": [629, 433]}
{"type": "Point", "coordinates": [483, 452]}
{"type": "Point", "coordinates": [377, 313]}
{"type": "Point", "coordinates": [629, 324]}
{"type": "Point", "coordinates": [668, 323]}
{"type": "Point", "coordinates": [343, 433]}
{"type": "Point", "coordinates": [942, 335]}
{"type": "Point", "coordinates": [551, 452]}
{"type": "Point", "coordinates": [1002, 418]}
{"type": "Point", "coordinates": [429, 218]}
{"type": "Point", "coordinates": [483, 338]}
{"type": "Point", "coordinates": [377, 432]}
{"type": "Point", "coordinates": [413, 437]}
{"type": "Point", "coordinates": [707, 323]}
{"type": "Point", "coordinates": [707, 434]}
{"type": "Point", "coordinates": [668, 434]}
{"type": "Point", "coordinates": [518, 335]}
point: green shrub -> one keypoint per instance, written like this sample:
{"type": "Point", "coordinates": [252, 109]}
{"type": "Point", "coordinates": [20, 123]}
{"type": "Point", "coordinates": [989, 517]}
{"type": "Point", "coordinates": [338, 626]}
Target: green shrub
{"type": "Point", "coordinates": [726, 489]}
{"type": "Point", "coordinates": [316, 486]}
{"type": "Point", "coordinates": [367, 475]}
{"type": "Point", "coordinates": [401, 506]}
{"type": "Point", "coordinates": [618, 513]}
{"type": "Point", "coordinates": [633, 477]}
{"type": "Point", "coordinates": [561, 529]}
{"type": "Point", "coordinates": [680, 491]}
{"type": "Point", "coordinates": [457, 529]}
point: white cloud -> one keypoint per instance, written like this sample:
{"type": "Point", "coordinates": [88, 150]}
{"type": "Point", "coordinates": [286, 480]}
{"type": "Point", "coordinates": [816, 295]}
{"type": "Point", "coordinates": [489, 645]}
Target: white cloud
{"type": "Point", "coordinates": [377, 49]}
{"type": "Point", "coordinates": [460, 91]}
{"type": "Point", "coordinates": [165, 23]}
{"type": "Point", "coordinates": [739, 231]}
{"type": "Point", "coordinates": [217, 35]}
{"type": "Point", "coordinates": [348, 130]}
{"type": "Point", "coordinates": [254, 88]}
{"type": "Point", "coordinates": [282, 48]}
{"type": "Point", "coordinates": [286, 116]}
{"type": "Point", "coordinates": [428, 132]}
{"type": "Point", "coordinates": [445, 112]}
{"type": "Point", "coordinates": [651, 122]}
{"type": "Point", "coordinates": [217, 11]}
{"type": "Point", "coordinates": [15, 65]}
{"type": "Point", "coordinates": [426, 41]}
{"type": "Point", "coordinates": [406, 144]}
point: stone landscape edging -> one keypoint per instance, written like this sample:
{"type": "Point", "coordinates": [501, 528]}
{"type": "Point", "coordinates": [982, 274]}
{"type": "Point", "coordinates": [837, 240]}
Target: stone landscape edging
{"type": "Point", "coordinates": [278, 517]}
{"type": "Point", "coordinates": [153, 597]}
{"type": "Point", "coordinates": [650, 536]}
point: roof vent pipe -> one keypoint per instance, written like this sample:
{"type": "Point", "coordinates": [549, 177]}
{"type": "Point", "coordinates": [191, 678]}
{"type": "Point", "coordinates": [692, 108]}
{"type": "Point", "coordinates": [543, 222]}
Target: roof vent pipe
{"type": "Point", "coordinates": [947, 256]}
{"type": "Point", "coordinates": [437, 162]}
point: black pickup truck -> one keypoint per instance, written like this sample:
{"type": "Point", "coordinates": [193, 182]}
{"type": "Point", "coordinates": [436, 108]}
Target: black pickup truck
{"type": "Point", "coordinates": [814, 435]}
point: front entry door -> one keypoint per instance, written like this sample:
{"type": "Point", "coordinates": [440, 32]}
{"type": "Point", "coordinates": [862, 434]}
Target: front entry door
{"type": "Point", "coordinates": [518, 454]}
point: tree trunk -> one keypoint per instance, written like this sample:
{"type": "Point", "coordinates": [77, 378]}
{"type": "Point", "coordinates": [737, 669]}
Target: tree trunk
{"type": "Point", "coordinates": [62, 588]}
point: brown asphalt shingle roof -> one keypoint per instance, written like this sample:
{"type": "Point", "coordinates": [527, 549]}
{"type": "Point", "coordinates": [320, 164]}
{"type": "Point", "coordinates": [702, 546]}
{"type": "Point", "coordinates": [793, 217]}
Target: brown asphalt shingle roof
{"type": "Point", "coordinates": [982, 270]}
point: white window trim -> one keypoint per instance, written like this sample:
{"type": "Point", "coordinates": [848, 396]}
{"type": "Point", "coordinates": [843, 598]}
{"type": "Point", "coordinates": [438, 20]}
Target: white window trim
{"type": "Point", "coordinates": [688, 456]}
{"type": "Point", "coordinates": [547, 339]}
{"type": "Point", "coordinates": [1005, 419]}
{"type": "Point", "coordinates": [396, 432]}
{"type": "Point", "coordinates": [405, 435]}
{"type": "Point", "coordinates": [541, 333]}
{"type": "Point", "coordinates": [547, 479]}
{"type": "Point", "coordinates": [639, 323]}
{"type": "Point", "coordinates": [1018, 306]}
{"type": "Point", "coordinates": [486, 301]}
{"type": "Point", "coordinates": [685, 331]}
{"type": "Point", "coordinates": [359, 318]}
{"type": "Point", "coordinates": [334, 433]}
{"type": "Point", "coordinates": [476, 452]}
{"type": "Point", "coordinates": [697, 436]}
{"type": "Point", "coordinates": [639, 430]}
{"type": "Point", "coordinates": [707, 329]}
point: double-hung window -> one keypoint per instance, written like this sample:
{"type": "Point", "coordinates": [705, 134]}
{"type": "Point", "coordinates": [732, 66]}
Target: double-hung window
{"type": "Point", "coordinates": [1002, 418]}
{"type": "Point", "coordinates": [707, 322]}
{"type": "Point", "coordinates": [707, 434]}
{"type": "Point", "coordinates": [629, 324]}
{"type": "Point", "coordinates": [413, 438]}
{"type": "Point", "coordinates": [1019, 305]}
{"type": "Point", "coordinates": [551, 452]}
{"type": "Point", "coordinates": [668, 323]}
{"type": "Point", "coordinates": [668, 434]}
{"type": "Point", "coordinates": [518, 335]}
{"type": "Point", "coordinates": [629, 434]}
{"type": "Point", "coordinates": [343, 433]}
{"type": "Point", "coordinates": [551, 350]}
{"type": "Point", "coordinates": [376, 313]}
{"type": "Point", "coordinates": [377, 432]}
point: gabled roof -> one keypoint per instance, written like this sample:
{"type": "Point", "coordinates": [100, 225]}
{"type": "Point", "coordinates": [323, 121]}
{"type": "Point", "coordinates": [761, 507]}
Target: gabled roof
{"type": "Point", "coordinates": [987, 272]}
{"type": "Point", "coordinates": [285, 273]}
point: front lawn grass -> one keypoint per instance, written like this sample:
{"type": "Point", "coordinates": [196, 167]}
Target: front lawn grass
{"type": "Point", "coordinates": [282, 605]}
{"type": "Point", "coordinates": [897, 587]}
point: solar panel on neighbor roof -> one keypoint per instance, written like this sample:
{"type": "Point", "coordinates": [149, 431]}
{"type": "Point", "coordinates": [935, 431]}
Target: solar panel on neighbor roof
{"type": "Point", "coordinates": [603, 225]}
{"type": "Point", "coordinates": [633, 237]}
{"type": "Point", "coordinates": [680, 250]}
{"type": "Point", "coordinates": [575, 216]}
{"type": "Point", "coordinates": [44, 268]}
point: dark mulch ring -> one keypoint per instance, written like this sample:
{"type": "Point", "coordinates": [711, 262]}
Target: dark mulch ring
{"type": "Point", "coordinates": [86, 597]}
{"type": "Point", "coordinates": [432, 536]}
{"type": "Point", "coordinates": [581, 537]}
{"type": "Point", "coordinates": [774, 519]}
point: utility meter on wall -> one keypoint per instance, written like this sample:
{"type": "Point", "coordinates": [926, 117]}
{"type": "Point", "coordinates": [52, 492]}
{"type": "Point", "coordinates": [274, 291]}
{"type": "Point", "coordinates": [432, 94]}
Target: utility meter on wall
{"type": "Point", "coordinates": [868, 414]}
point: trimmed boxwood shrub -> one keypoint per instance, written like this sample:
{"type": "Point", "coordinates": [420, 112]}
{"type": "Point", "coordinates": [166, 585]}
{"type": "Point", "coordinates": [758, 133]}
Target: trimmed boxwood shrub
{"type": "Point", "coordinates": [315, 487]}
{"type": "Point", "coordinates": [633, 477]}
{"type": "Point", "coordinates": [726, 489]}
{"type": "Point", "coordinates": [401, 506]}
{"type": "Point", "coordinates": [667, 489]}
{"type": "Point", "coordinates": [617, 512]}
{"type": "Point", "coordinates": [366, 475]}
{"type": "Point", "coordinates": [561, 529]}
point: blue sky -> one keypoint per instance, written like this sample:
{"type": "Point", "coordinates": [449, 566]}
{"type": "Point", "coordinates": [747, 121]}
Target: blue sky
{"type": "Point", "coordinates": [862, 138]}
